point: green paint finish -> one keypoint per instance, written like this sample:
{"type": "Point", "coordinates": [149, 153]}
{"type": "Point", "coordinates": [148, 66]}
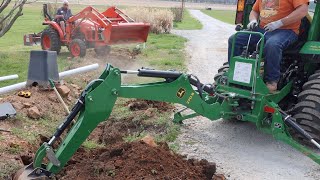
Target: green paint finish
{"type": "Point", "coordinates": [311, 47]}
{"type": "Point", "coordinates": [226, 103]}
{"type": "Point", "coordinates": [314, 30]}
{"type": "Point", "coordinates": [163, 91]}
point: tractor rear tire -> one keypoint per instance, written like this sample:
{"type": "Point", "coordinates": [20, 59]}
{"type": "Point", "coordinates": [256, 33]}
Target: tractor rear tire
{"type": "Point", "coordinates": [50, 40]}
{"type": "Point", "coordinates": [221, 71]}
{"type": "Point", "coordinates": [78, 48]}
{"type": "Point", "coordinates": [102, 50]}
{"type": "Point", "coordinates": [307, 110]}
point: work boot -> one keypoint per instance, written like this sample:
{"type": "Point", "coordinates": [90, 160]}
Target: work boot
{"type": "Point", "coordinates": [272, 86]}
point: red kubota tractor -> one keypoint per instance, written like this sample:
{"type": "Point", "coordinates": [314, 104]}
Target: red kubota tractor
{"type": "Point", "coordinates": [89, 29]}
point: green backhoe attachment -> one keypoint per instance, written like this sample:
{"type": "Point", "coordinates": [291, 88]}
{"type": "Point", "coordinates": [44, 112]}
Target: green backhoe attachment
{"type": "Point", "coordinates": [212, 101]}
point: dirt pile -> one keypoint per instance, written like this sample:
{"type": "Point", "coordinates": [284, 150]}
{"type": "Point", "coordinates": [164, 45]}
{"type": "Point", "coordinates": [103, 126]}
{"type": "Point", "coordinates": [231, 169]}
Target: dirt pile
{"type": "Point", "coordinates": [135, 160]}
{"type": "Point", "coordinates": [42, 102]}
{"type": "Point", "coordinates": [141, 119]}
{"type": "Point", "coordinates": [135, 105]}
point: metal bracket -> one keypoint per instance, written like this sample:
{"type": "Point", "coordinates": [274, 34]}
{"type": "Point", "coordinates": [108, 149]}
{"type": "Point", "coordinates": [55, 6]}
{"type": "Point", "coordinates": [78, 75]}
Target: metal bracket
{"type": "Point", "coordinates": [51, 156]}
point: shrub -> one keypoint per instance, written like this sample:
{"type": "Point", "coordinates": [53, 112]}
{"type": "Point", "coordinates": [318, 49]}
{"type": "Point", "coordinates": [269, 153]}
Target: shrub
{"type": "Point", "coordinates": [161, 20]}
{"type": "Point", "coordinates": [177, 14]}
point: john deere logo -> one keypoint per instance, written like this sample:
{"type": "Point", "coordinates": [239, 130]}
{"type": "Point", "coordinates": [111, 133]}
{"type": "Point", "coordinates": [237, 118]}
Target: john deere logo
{"type": "Point", "coordinates": [181, 93]}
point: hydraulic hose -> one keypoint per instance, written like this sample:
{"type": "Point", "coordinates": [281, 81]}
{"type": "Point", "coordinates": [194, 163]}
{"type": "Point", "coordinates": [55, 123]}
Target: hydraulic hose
{"type": "Point", "coordinates": [75, 110]}
{"type": "Point", "coordinates": [173, 75]}
{"type": "Point", "coordinates": [290, 121]}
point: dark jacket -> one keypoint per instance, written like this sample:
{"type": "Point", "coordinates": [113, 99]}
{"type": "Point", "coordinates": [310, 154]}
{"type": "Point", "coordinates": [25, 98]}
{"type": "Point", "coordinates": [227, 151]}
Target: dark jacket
{"type": "Point", "coordinates": [66, 14]}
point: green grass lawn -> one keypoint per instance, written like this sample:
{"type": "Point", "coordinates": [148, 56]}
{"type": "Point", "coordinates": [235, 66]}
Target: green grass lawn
{"type": "Point", "coordinates": [188, 22]}
{"type": "Point", "coordinates": [165, 51]}
{"type": "Point", "coordinates": [227, 16]}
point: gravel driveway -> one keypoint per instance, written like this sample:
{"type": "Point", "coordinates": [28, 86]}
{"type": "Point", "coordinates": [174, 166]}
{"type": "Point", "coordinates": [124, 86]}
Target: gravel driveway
{"type": "Point", "coordinates": [239, 149]}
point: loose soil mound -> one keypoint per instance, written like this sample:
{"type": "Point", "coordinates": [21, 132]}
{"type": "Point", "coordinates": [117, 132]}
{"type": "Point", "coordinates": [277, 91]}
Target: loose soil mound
{"type": "Point", "coordinates": [141, 119]}
{"type": "Point", "coordinates": [135, 160]}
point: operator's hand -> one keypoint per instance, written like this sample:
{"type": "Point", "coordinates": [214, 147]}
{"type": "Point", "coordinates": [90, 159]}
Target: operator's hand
{"type": "Point", "coordinates": [252, 24]}
{"type": "Point", "coordinates": [59, 16]}
{"type": "Point", "coordinates": [273, 26]}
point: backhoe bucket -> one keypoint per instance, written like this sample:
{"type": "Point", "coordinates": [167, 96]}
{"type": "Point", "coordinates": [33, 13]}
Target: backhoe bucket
{"type": "Point", "coordinates": [123, 33]}
{"type": "Point", "coordinates": [30, 173]}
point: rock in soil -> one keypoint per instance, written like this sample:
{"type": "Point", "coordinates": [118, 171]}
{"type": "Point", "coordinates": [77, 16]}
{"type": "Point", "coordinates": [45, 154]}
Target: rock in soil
{"type": "Point", "coordinates": [63, 90]}
{"type": "Point", "coordinates": [34, 113]}
{"type": "Point", "coordinates": [149, 140]}
{"type": "Point", "coordinates": [135, 160]}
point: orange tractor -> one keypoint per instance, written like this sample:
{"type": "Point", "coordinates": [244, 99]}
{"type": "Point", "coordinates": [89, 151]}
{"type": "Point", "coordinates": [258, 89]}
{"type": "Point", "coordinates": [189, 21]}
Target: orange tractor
{"type": "Point", "coordinates": [89, 29]}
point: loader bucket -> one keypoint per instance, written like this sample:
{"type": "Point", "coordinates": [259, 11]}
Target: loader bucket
{"type": "Point", "coordinates": [123, 33]}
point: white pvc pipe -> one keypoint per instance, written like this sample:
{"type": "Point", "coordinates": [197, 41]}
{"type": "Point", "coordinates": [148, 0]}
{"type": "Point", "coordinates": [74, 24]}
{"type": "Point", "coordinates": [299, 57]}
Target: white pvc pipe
{"type": "Point", "coordinates": [79, 70]}
{"type": "Point", "coordinates": [21, 85]}
{"type": "Point", "coordinates": [3, 78]}
{"type": "Point", "coordinates": [12, 87]}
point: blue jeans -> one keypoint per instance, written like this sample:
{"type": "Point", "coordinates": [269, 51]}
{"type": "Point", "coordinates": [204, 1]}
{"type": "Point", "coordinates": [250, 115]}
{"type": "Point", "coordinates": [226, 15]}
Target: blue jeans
{"type": "Point", "coordinates": [275, 43]}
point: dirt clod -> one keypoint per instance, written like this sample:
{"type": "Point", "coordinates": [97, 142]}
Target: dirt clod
{"type": "Point", "coordinates": [138, 105]}
{"type": "Point", "coordinates": [34, 113]}
{"type": "Point", "coordinates": [150, 112]}
{"type": "Point", "coordinates": [27, 105]}
{"type": "Point", "coordinates": [76, 87]}
{"type": "Point", "coordinates": [53, 97]}
{"type": "Point", "coordinates": [17, 105]}
{"type": "Point", "coordinates": [63, 90]}
{"type": "Point", "coordinates": [26, 159]}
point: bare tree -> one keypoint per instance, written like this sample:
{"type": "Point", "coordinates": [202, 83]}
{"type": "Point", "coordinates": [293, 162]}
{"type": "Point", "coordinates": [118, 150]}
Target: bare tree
{"type": "Point", "coordinates": [14, 11]}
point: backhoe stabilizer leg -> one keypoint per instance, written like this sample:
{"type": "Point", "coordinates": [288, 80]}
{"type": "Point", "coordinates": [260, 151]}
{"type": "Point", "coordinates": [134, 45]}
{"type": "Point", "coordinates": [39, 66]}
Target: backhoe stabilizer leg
{"type": "Point", "coordinates": [280, 132]}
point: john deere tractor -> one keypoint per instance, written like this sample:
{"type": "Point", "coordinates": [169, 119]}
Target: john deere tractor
{"type": "Point", "coordinates": [292, 114]}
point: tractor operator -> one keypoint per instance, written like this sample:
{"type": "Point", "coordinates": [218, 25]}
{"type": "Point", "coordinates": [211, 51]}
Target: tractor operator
{"type": "Point", "coordinates": [63, 14]}
{"type": "Point", "coordinates": [280, 21]}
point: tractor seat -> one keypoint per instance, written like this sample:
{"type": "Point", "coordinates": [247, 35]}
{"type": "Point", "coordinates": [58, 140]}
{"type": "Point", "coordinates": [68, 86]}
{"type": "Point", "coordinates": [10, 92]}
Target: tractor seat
{"type": "Point", "coordinates": [294, 48]}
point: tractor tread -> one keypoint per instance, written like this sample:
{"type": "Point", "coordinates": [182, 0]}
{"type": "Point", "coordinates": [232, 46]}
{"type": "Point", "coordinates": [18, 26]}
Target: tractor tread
{"type": "Point", "coordinates": [307, 110]}
{"type": "Point", "coordinates": [224, 68]}
{"type": "Point", "coordinates": [304, 94]}
{"type": "Point", "coordinates": [303, 104]}
{"type": "Point", "coordinates": [54, 39]}
{"type": "Point", "coordinates": [309, 124]}
{"type": "Point", "coordinates": [218, 76]}
{"type": "Point", "coordinates": [314, 76]}
{"type": "Point", "coordinates": [82, 45]}
{"type": "Point", "coordinates": [308, 84]}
